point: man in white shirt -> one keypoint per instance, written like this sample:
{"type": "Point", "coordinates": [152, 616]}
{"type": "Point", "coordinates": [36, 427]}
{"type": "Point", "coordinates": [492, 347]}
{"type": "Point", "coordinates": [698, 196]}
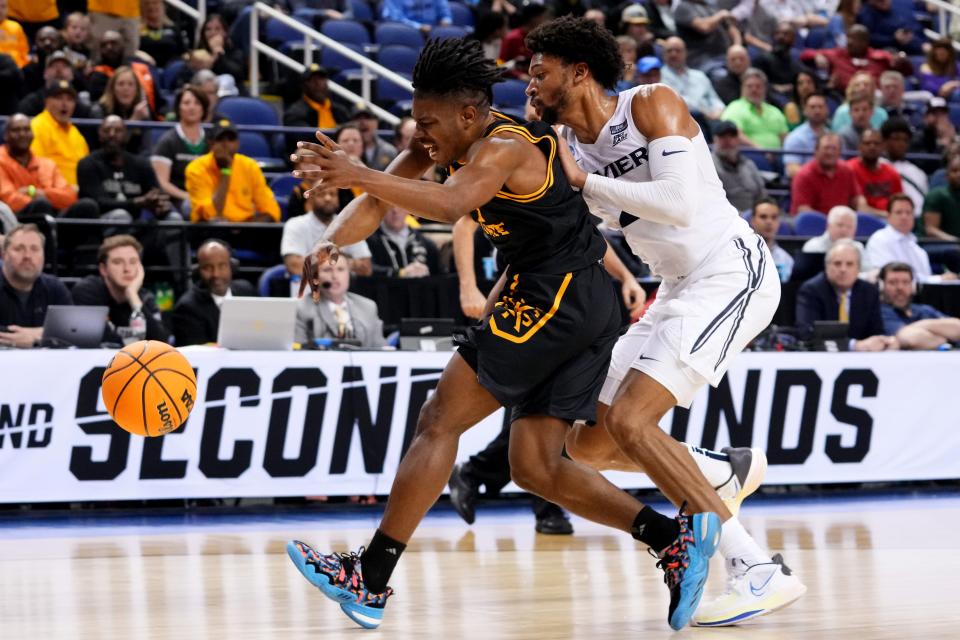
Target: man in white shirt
{"type": "Point", "coordinates": [841, 224]}
{"type": "Point", "coordinates": [301, 234]}
{"type": "Point", "coordinates": [896, 242]}
{"type": "Point", "coordinates": [693, 85]}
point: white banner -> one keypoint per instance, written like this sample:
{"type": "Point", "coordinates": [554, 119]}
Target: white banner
{"type": "Point", "coordinates": [336, 423]}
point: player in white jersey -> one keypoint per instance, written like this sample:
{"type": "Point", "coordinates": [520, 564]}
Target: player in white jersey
{"type": "Point", "coordinates": [644, 167]}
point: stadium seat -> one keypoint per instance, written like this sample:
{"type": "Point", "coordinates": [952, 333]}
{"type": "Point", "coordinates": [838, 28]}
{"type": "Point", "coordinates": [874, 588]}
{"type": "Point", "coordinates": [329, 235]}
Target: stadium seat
{"type": "Point", "coordinates": [338, 63]}
{"type": "Point", "coordinates": [867, 224]}
{"type": "Point", "coordinates": [254, 145]}
{"type": "Point", "coordinates": [462, 15]}
{"type": "Point", "coordinates": [388, 33]}
{"type": "Point", "coordinates": [810, 223]}
{"type": "Point", "coordinates": [282, 187]}
{"type": "Point", "coordinates": [346, 32]}
{"type": "Point", "coordinates": [398, 58]}
{"type": "Point", "coordinates": [248, 111]}
{"type": "Point", "coordinates": [449, 31]}
{"type": "Point", "coordinates": [278, 272]}
{"type": "Point", "coordinates": [390, 92]}
{"type": "Point", "coordinates": [955, 113]}
{"type": "Point", "coordinates": [278, 33]}
{"type": "Point", "coordinates": [170, 74]}
{"type": "Point", "coordinates": [815, 38]}
{"type": "Point", "coordinates": [362, 11]}
{"type": "Point", "coordinates": [510, 94]}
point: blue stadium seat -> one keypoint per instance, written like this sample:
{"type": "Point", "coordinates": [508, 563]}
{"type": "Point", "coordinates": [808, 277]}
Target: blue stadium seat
{"type": "Point", "coordinates": [154, 134]}
{"type": "Point", "coordinates": [346, 32]}
{"type": "Point", "coordinates": [761, 159]}
{"type": "Point", "coordinates": [278, 272]}
{"type": "Point", "coordinates": [362, 10]}
{"type": "Point", "coordinates": [278, 33]}
{"type": "Point", "coordinates": [389, 92]}
{"type": "Point", "coordinates": [388, 33]}
{"type": "Point", "coordinates": [449, 31]}
{"type": "Point", "coordinates": [810, 223]}
{"type": "Point", "coordinates": [954, 113]}
{"type": "Point", "coordinates": [337, 62]}
{"type": "Point", "coordinates": [248, 111]}
{"type": "Point", "coordinates": [282, 187]}
{"type": "Point", "coordinates": [398, 58]}
{"type": "Point", "coordinates": [254, 145]}
{"type": "Point", "coordinates": [815, 38]}
{"type": "Point", "coordinates": [170, 74]}
{"type": "Point", "coordinates": [511, 93]}
{"type": "Point", "coordinates": [868, 223]}
{"type": "Point", "coordinates": [462, 15]}
{"type": "Point", "coordinates": [786, 228]}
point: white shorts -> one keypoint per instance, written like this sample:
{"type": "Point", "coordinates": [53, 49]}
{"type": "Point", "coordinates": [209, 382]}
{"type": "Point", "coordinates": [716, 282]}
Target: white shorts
{"type": "Point", "coordinates": [697, 324]}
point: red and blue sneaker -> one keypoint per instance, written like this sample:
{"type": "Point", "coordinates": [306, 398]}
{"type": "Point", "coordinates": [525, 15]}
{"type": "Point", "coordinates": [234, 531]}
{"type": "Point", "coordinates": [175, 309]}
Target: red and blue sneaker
{"type": "Point", "coordinates": [339, 577]}
{"type": "Point", "coordinates": [686, 564]}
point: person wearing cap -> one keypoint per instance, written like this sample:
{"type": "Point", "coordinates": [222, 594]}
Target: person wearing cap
{"type": "Point", "coordinates": [937, 132]}
{"type": "Point", "coordinates": [54, 135]}
{"type": "Point", "coordinates": [740, 177]}
{"type": "Point", "coordinates": [58, 67]}
{"type": "Point", "coordinates": [13, 41]}
{"type": "Point", "coordinates": [227, 186]}
{"type": "Point", "coordinates": [377, 152]}
{"type": "Point", "coordinates": [762, 124]}
{"type": "Point", "coordinates": [315, 108]}
{"type": "Point", "coordinates": [693, 85]}
{"type": "Point", "coordinates": [419, 14]}
{"type": "Point", "coordinates": [648, 70]}
{"type": "Point", "coordinates": [635, 24]}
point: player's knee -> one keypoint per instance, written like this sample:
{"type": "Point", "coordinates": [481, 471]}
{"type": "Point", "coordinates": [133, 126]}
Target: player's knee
{"type": "Point", "coordinates": [532, 478]}
{"type": "Point", "coordinates": [627, 427]}
{"type": "Point", "coordinates": [428, 422]}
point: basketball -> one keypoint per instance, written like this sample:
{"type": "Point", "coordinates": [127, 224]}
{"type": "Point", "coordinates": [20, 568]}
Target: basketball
{"type": "Point", "coordinates": [149, 388]}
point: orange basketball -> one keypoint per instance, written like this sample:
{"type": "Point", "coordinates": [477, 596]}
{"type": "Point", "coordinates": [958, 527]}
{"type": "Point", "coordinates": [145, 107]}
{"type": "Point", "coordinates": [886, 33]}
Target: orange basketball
{"type": "Point", "coordinates": [149, 388]}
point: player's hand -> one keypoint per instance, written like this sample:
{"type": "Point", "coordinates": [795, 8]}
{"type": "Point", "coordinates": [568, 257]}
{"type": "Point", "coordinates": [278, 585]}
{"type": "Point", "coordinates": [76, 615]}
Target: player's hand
{"type": "Point", "coordinates": [324, 253]}
{"type": "Point", "coordinates": [575, 175]}
{"type": "Point", "coordinates": [634, 296]}
{"type": "Point", "coordinates": [472, 302]}
{"type": "Point", "coordinates": [327, 164]}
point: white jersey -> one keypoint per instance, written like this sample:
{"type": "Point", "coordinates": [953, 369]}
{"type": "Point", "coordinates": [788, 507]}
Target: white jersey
{"type": "Point", "coordinates": [671, 252]}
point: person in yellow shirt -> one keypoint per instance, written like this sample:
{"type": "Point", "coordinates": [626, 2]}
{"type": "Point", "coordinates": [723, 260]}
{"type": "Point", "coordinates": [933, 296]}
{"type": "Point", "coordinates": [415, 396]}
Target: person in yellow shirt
{"type": "Point", "coordinates": [115, 15]}
{"type": "Point", "coordinates": [34, 14]}
{"type": "Point", "coordinates": [226, 186]}
{"type": "Point", "coordinates": [54, 135]}
{"type": "Point", "coordinates": [13, 41]}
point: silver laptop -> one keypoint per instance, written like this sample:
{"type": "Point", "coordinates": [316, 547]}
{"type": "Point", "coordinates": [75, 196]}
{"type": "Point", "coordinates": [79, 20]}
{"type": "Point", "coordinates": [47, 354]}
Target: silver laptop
{"type": "Point", "coordinates": [262, 324]}
{"type": "Point", "coordinates": [80, 326]}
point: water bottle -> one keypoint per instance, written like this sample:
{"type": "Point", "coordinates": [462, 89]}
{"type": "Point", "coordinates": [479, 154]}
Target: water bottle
{"type": "Point", "coordinates": [164, 296]}
{"type": "Point", "coordinates": [138, 327]}
{"type": "Point", "coordinates": [294, 286]}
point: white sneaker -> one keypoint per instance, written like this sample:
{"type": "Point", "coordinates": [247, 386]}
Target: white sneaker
{"type": "Point", "coordinates": [751, 592]}
{"type": "Point", "coordinates": [749, 468]}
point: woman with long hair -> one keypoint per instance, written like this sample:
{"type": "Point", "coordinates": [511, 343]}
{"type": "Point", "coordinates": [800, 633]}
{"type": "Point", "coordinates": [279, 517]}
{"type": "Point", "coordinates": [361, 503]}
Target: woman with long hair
{"type": "Point", "coordinates": [861, 84]}
{"type": "Point", "coordinates": [181, 144]}
{"type": "Point", "coordinates": [939, 74]}
{"type": "Point", "coordinates": [124, 97]}
{"type": "Point", "coordinates": [227, 59]}
{"type": "Point", "coordinates": [804, 84]}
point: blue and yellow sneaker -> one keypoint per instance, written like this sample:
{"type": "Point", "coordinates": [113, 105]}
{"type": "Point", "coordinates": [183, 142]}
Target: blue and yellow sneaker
{"type": "Point", "coordinates": [686, 564]}
{"type": "Point", "coordinates": [340, 578]}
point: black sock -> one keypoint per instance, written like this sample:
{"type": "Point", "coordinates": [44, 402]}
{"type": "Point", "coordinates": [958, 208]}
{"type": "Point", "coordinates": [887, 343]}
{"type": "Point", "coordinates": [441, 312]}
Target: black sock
{"type": "Point", "coordinates": [379, 560]}
{"type": "Point", "coordinates": [654, 529]}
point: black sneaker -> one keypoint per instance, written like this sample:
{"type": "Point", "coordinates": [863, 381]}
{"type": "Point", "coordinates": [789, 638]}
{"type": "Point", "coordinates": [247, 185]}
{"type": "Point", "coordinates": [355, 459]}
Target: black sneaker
{"type": "Point", "coordinates": [551, 519]}
{"type": "Point", "coordinates": [464, 490]}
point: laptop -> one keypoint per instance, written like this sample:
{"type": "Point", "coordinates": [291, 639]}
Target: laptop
{"type": "Point", "coordinates": [426, 334]}
{"type": "Point", "coordinates": [80, 326]}
{"type": "Point", "coordinates": [831, 335]}
{"type": "Point", "coordinates": [261, 324]}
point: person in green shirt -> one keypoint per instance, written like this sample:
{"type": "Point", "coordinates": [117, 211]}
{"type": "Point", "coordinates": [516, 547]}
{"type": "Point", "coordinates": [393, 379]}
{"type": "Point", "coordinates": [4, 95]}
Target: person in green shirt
{"type": "Point", "coordinates": [761, 124]}
{"type": "Point", "coordinates": [941, 207]}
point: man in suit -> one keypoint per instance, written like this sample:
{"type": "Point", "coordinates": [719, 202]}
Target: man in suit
{"type": "Point", "coordinates": [339, 315]}
{"type": "Point", "coordinates": [838, 295]}
{"type": "Point", "coordinates": [197, 314]}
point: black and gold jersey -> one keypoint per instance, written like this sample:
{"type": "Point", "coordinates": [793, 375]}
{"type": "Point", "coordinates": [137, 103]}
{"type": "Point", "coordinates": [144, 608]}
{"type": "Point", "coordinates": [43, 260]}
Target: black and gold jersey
{"type": "Point", "coordinates": [549, 230]}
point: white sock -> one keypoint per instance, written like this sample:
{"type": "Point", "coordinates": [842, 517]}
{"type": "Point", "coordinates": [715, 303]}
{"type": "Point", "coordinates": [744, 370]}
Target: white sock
{"type": "Point", "coordinates": [714, 466]}
{"type": "Point", "coordinates": [735, 542]}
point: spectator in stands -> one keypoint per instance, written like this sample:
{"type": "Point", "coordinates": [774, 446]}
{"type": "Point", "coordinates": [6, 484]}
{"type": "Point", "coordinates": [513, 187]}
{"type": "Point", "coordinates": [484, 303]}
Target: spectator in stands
{"type": "Point", "coordinates": [839, 295]}
{"type": "Point", "coordinates": [937, 131]}
{"type": "Point", "coordinates": [111, 58]}
{"type": "Point", "coordinates": [58, 67]}
{"type": "Point", "coordinates": [728, 82]}
{"type": "Point", "coordinates": [843, 62]}
{"type": "Point", "coordinates": [891, 98]}
{"type": "Point", "coordinates": [628, 52]}
{"type": "Point", "coordinates": [490, 29]}
{"type": "Point", "coordinates": [648, 70]}
{"type": "Point", "coordinates": [740, 177]}
{"type": "Point", "coordinates": [635, 24]}
{"type": "Point", "coordinates": [693, 85]}
{"type": "Point", "coordinates": [120, 16]}
{"type": "Point", "coordinates": [401, 251]}
{"type": "Point", "coordinates": [878, 180]}
{"type": "Point", "coordinates": [513, 49]}
{"type": "Point", "coordinates": [377, 152]}
{"type": "Point", "coordinates": [765, 220]}
{"type": "Point", "coordinates": [77, 36]}
{"type": "Point", "coordinates": [916, 326]}
{"type": "Point", "coordinates": [119, 286]}
{"type": "Point", "coordinates": [825, 181]}
{"type": "Point", "coordinates": [896, 242]}
{"type": "Point", "coordinates": [761, 124]}
{"type": "Point", "coordinates": [896, 136]}
{"type": "Point", "coordinates": [804, 137]}
{"type": "Point", "coordinates": [780, 65]}
{"type": "Point", "coordinates": [594, 15]}
{"type": "Point", "coordinates": [840, 22]}
{"type": "Point", "coordinates": [941, 209]}
{"type": "Point", "coordinates": [301, 233]}
{"type": "Point", "coordinates": [339, 314]}
{"type": "Point", "coordinates": [30, 184]}
{"type": "Point", "coordinates": [206, 81]}
{"type": "Point", "coordinates": [419, 15]}
{"type": "Point", "coordinates": [861, 85]}
{"type": "Point", "coordinates": [315, 108]}
{"type": "Point", "coordinates": [841, 225]}
{"type": "Point", "coordinates": [404, 132]}
{"type": "Point", "coordinates": [11, 79]}
{"type": "Point", "coordinates": [804, 85]}
{"type": "Point", "coordinates": [47, 43]}
{"type": "Point", "coordinates": [13, 41]}
{"type": "Point", "coordinates": [33, 15]}
{"type": "Point", "coordinates": [124, 97]}
{"type": "Point", "coordinates": [891, 25]}
{"type": "Point", "coordinates": [121, 183]}
{"type": "Point", "coordinates": [226, 58]}
{"type": "Point", "coordinates": [196, 317]}
{"type": "Point", "coordinates": [663, 23]}
{"type": "Point", "coordinates": [940, 74]}
{"type": "Point", "coordinates": [226, 186]}
{"type": "Point", "coordinates": [181, 145]}
{"type": "Point", "coordinates": [54, 135]}
{"type": "Point", "coordinates": [160, 37]}
{"type": "Point", "coordinates": [25, 291]}
{"type": "Point", "coordinates": [707, 30]}
{"type": "Point", "coordinates": [351, 141]}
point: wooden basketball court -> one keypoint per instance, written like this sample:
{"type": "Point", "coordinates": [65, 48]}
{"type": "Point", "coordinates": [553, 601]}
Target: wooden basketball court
{"type": "Point", "coordinates": [875, 568]}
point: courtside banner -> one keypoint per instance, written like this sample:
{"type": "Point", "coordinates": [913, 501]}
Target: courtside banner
{"type": "Point", "coordinates": [337, 423]}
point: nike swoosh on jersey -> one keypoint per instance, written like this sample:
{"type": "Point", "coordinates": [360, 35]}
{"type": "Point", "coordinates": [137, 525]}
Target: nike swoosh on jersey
{"type": "Point", "coordinates": [670, 153]}
{"type": "Point", "coordinates": [643, 357]}
{"type": "Point", "coordinates": [758, 591]}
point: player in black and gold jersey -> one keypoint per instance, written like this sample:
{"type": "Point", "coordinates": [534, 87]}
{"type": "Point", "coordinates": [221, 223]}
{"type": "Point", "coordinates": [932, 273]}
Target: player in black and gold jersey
{"type": "Point", "coordinates": [543, 347]}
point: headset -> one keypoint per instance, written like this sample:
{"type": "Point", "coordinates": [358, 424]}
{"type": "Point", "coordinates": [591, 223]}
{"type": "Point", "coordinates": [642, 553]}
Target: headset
{"type": "Point", "coordinates": [897, 266]}
{"type": "Point", "coordinates": [195, 267]}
